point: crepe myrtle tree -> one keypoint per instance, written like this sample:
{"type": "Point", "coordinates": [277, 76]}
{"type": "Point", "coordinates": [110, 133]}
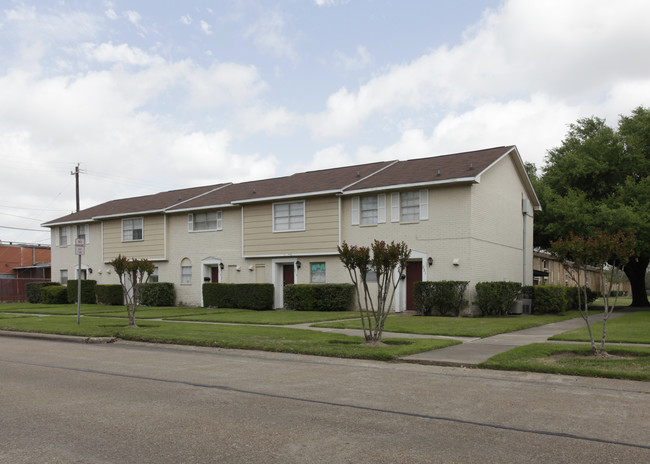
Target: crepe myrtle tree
{"type": "Point", "coordinates": [131, 272]}
{"type": "Point", "coordinates": [388, 261]}
{"type": "Point", "coordinates": [607, 252]}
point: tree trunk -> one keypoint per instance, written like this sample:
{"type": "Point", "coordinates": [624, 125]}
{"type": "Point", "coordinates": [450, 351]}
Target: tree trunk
{"type": "Point", "coordinates": [635, 271]}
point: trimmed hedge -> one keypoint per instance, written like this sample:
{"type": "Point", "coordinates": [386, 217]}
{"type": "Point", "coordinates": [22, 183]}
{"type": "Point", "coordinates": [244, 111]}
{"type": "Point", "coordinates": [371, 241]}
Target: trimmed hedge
{"type": "Point", "coordinates": [33, 290]}
{"type": "Point", "coordinates": [443, 297]}
{"type": "Point", "coordinates": [54, 294]}
{"type": "Point", "coordinates": [243, 296]}
{"type": "Point", "coordinates": [157, 294]}
{"type": "Point", "coordinates": [496, 298]}
{"type": "Point", "coordinates": [549, 299]}
{"type": "Point", "coordinates": [571, 296]}
{"type": "Point", "coordinates": [318, 297]}
{"type": "Point", "coordinates": [109, 294]}
{"type": "Point", "coordinates": [87, 291]}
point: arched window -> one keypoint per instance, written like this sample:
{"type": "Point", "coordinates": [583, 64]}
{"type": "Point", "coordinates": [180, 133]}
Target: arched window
{"type": "Point", "coordinates": [186, 271]}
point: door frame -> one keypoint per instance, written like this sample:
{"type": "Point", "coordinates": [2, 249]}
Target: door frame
{"type": "Point", "coordinates": [206, 270]}
{"type": "Point", "coordinates": [400, 296]}
{"type": "Point", "coordinates": [277, 277]}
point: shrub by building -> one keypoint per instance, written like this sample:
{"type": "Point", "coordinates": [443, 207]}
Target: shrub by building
{"type": "Point", "coordinates": [442, 298]}
{"type": "Point", "coordinates": [111, 294]}
{"type": "Point", "coordinates": [319, 297]}
{"type": "Point", "coordinates": [54, 294]}
{"type": "Point", "coordinates": [496, 298]}
{"type": "Point", "coordinates": [243, 296]}
{"type": "Point", "coordinates": [157, 294]}
{"type": "Point", "coordinates": [33, 290]}
{"type": "Point", "coordinates": [87, 291]}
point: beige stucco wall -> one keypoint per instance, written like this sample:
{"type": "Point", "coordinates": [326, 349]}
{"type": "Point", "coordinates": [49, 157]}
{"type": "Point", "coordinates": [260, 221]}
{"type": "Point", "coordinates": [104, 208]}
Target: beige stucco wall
{"type": "Point", "coordinates": [498, 226]}
{"type": "Point", "coordinates": [64, 257]}
{"type": "Point", "coordinates": [152, 245]}
{"type": "Point", "coordinates": [203, 250]}
{"type": "Point", "coordinates": [320, 234]}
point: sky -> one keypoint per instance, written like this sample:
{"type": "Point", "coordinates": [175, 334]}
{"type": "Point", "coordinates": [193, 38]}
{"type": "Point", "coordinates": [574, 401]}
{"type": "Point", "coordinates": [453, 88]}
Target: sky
{"type": "Point", "coordinates": [150, 96]}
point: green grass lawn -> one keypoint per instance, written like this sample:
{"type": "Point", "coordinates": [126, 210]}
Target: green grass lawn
{"type": "Point", "coordinates": [631, 363]}
{"type": "Point", "coordinates": [239, 316]}
{"type": "Point", "coordinates": [454, 326]}
{"type": "Point", "coordinates": [631, 328]}
{"type": "Point", "coordinates": [224, 336]}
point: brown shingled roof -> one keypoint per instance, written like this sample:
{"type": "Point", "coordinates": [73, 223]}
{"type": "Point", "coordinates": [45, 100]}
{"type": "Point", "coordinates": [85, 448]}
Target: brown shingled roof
{"type": "Point", "coordinates": [125, 206]}
{"type": "Point", "coordinates": [349, 179]}
{"type": "Point", "coordinates": [434, 169]}
{"type": "Point", "coordinates": [325, 180]}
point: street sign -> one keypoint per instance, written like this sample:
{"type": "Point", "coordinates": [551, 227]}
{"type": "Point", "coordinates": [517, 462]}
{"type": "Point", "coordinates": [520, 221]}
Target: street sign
{"type": "Point", "coordinates": [79, 246]}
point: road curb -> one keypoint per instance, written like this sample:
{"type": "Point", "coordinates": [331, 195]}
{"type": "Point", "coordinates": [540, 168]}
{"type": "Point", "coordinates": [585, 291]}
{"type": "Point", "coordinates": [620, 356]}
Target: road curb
{"type": "Point", "coordinates": [55, 337]}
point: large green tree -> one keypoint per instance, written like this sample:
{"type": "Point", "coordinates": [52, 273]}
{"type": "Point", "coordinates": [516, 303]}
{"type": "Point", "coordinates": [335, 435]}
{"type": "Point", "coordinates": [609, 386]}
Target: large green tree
{"type": "Point", "coordinates": [599, 178]}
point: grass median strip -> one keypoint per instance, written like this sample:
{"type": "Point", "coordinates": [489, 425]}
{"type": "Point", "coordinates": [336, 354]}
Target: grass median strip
{"type": "Point", "coordinates": [457, 326]}
{"type": "Point", "coordinates": [279, 339]}
{"type": "Point", "coordinates": [631, 328]}
{"type": "Point", "coordinates": [623, 362]}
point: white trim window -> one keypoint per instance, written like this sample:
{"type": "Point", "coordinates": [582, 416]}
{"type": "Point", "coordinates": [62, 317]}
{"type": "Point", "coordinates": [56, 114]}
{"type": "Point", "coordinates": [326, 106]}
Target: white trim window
{"type": "Point", "coordinates": [186, 272]}
{"type": "Point", "coordinates": [200, 222]}
{"type": "Point", "coordinates": [410, 206]}
{"type": "Point", "coordinates": [132, 229]}
{"type": "Point", "coordinates": [62, 236]}
{"type": "Point", "coordinates": [289, 217]}
{"type": "Point", "coordinates": [82, 231]}
{"type": "Point", "coordinates": [64, 276]}
{"type": "Point", "coordinates": [369, 209]}
{"type": "Point", "coordinates": [153, 277]}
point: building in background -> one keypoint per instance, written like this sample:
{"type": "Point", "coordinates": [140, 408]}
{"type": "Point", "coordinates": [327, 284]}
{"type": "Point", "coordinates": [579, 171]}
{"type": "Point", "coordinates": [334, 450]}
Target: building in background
{"type": "Point", "coordinates": [21, 263]}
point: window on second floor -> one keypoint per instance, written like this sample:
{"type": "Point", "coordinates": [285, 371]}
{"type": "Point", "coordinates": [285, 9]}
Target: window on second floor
{"type": "Point", "coordinates": [63, 236]}
{"type": "Point", "coordinates": [132, 229]}
{"type": "Point", "coordinates": [410, 206]}
{"type": "Point", "coordinates": [198, 222]}
{"type": "Point", "coordinates": [81, 231]}
{"type": "Point", "coordinates": [289, 216]}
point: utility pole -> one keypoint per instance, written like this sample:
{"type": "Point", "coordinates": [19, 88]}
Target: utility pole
{"type": "Point", "coordinates": [79, 248]}
{"type": "Point", "coordinates": [75, 173]}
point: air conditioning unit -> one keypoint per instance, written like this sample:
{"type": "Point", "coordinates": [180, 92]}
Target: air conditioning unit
{"type": "Point", "coordinates": [522, 306]}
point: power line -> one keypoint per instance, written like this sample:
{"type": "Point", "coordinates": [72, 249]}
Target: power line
{"type": "Point", "coordinates": [22, 228]}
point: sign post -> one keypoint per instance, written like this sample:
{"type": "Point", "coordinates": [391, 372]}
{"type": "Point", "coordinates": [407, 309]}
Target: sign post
{"type": "Point", "coordinates": [79, 249]}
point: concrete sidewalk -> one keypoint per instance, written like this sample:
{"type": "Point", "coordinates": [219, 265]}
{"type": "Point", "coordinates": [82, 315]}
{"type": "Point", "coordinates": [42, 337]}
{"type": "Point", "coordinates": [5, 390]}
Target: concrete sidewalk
{"type": "Point", "coordinates": [475, 351]}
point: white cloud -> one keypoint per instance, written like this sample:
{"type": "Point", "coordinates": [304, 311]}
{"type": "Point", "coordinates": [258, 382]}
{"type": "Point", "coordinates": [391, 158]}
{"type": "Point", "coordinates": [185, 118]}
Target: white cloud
{"type": "Point", "coordinates": [186, 19]}
{"type": "Point", "coordinates": [330, 2]}
{"type": "Point", "coordinates": [359, 60]}
{"type": "Point", "coordinates": [274, 121]}
{"type": "Point", "coordinates": [569, 50]}
{"type": "Point", "coordinates": [206, 28]}
{"type": "Point", "coordinates": [133, 16]}
{"type": "Point", "coordinates": [225, 82]}
{"type": "Point", "coordinates": [111, 14]}
{"type": "Point", "coordinates": [269, 36]}
{"type": "Point", "coordinates": [107, 52]}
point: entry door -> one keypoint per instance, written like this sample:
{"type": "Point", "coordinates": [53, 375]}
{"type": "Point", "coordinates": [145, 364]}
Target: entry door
{"type": "Point", "coordinates": [214, 274]}
{"type": "Point", "coordinates": [413, 274]}
{"type": "Point", "coordinates": [287, 272]}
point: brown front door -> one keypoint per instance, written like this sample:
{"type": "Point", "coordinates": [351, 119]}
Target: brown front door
{"type": "Point", "coordinates": [215, 274]}
{"type": "Point", "coordinates": [287, 271]}
{"type": "Point", "coordinates": [413, 274]}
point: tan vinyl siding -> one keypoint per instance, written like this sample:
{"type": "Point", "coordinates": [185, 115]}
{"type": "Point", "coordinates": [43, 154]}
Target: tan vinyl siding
{"type": "Point", "coordinates": [320, 234]}
{"type": "Point", "coordinates": [152, 246]}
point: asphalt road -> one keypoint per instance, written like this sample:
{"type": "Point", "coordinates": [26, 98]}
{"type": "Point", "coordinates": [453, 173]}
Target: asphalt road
{"type": "Point", "coordinates": [135, 403]}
